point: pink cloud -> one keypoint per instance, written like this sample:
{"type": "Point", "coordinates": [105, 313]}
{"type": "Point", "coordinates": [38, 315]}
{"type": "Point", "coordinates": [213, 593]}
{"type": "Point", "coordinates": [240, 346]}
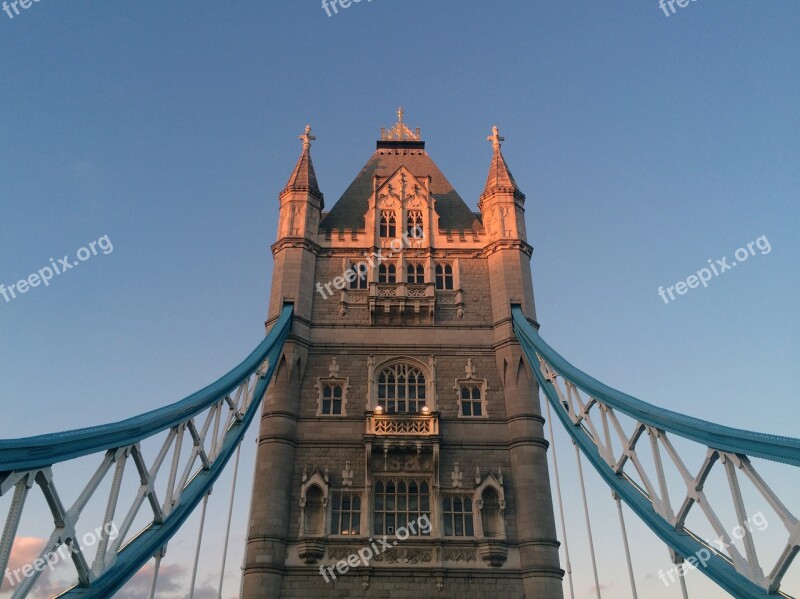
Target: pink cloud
{"type": "Point", "coordinates": [24, 551]}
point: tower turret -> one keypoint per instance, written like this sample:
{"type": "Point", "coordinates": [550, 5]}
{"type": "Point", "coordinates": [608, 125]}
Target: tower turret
{"type": "Point", "coordinates": [502, 203]}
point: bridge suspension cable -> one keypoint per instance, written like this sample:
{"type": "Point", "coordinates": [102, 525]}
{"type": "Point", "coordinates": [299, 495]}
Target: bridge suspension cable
{"type": "Point", "coordinates": [593, 414]}
{"type": "Point", "coordinates": [211, 422]}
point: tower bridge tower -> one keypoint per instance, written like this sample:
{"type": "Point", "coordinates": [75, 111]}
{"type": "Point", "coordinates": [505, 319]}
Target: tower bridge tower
{"type": "Point", "coordinates": [401, 449]}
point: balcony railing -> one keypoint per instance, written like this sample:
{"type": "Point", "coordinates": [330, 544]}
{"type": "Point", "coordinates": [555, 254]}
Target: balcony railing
{"type": "Point", "coordinates": [403, 425]}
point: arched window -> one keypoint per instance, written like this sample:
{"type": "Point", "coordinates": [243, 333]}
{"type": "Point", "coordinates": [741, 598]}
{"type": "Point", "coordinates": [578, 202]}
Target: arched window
{"type": "Point", "coordinates": [444, 276]}
{"type": "Point", "coordinates": [401, 389]}
{"type": "Point", "coordinates": [415, 273]}
{"type": "Point", "coordinates": [414, 227]}
{"type": "Point", "coordinates": [387, 273]}
{"type": "Point", "coordinates": [360, 269]}
{"type": "Point", "coordinates": [388, 229]}
{"type": "Point", "coordinates": [491, 515]}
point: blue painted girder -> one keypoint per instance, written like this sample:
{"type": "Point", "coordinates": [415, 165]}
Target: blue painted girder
{"type": "Point", "coordinates": [771, 447]}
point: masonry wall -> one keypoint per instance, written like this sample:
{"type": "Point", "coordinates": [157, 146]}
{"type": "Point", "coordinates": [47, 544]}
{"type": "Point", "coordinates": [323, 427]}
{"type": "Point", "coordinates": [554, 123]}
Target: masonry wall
{"type": "Point", "coordinates": [470, 326]}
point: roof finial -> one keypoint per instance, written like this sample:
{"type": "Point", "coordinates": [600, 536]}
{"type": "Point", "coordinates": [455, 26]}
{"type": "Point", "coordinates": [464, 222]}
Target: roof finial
{"type": "Point", "coordinates": [495, 138]}
{"type": "Point", "coordinates": [400, 131]}
{"type": "Point", "coordinates": [307, 138]}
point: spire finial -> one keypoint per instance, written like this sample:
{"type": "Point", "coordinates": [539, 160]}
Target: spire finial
{"type": "Point", "coordinates": [307, 138]}
{"type": "Point", "coordinates": [400, 113]}
{"type": "Point", "coordinates": [495, 138]}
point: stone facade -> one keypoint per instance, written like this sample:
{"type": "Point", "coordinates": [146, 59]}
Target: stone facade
{"type": "Point", "coordinates": [402, 395]}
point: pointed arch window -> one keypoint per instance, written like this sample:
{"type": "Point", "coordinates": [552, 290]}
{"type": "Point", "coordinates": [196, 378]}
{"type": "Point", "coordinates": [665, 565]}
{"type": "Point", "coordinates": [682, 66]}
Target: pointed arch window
{"type": "Point", "coordinates": [387, 273]}
{"type": "Point", "coordinates": [414, 226]}
{"type": "Point", "coordinates": [360, 271]}
{"type": "Point", "coordinates": [401, 389]}
{"type": "Point", "coordinates": [415, 273]}
{"type": "Point", "coordinates": [388, 226]}
{"type": "Point", "coordinates": [332, 398]}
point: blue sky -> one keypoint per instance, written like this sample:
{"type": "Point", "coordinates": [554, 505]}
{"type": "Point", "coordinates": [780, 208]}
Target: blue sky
{"type": "Point", "coordinates": [646, 145]}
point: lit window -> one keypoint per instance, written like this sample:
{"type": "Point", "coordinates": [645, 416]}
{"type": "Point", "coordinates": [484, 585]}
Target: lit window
{"type": "Point", "coordinates": [444, 276]}
{"type": "Point", "coordinates": [346, 514]}
{"type": "Point", "coordinates": [457, 514]}
{"type": "Point", "coordinates": [399, 502]}
{"type": "Point", "coordinates": [401, 388]}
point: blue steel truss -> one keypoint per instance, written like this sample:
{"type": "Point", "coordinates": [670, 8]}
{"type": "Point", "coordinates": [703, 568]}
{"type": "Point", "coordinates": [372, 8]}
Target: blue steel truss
{"type": "Point", "coordinates": [232, 401]}
{"type": "Point", "coordinates": [577, 398]}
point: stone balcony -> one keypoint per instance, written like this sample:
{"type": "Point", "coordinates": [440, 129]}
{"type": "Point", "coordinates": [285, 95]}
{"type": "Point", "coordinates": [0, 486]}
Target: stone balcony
{"type": "Point", "coordinates": [401, 301]}
{"type": "Point", "coordinates": [402, 435]}
{"type": "Point", "coordinates": [402, 430]}
{"type": "Point", "coordinates": [402, 425]}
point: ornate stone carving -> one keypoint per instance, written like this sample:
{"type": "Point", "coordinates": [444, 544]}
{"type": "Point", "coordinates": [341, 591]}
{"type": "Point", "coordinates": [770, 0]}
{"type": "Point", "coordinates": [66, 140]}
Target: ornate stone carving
{"type": "Point", "coordinates": [460, 554]}
{"type": "Point", "coordinates": [457, 476]}
{"type": "Point", "coordinates": [496, 138]}
{"type": "Point", "coordinates": [400, 131]}
{"type": "Point", "coordinates": [333, 369]}
{"type": "Point", "coordinates": [357, 297]}
{"type": "Point", "coordinates": [347, 475]}
{"type": "Point", "coordinates": [403, 462]}
{"type": "Point", "coordinates": [403, 555]}
{"type": "Point", "coordinates": [342, 552]}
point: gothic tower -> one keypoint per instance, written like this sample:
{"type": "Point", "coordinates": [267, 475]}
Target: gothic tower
{"type": "Point", "coordinates": [401, 450]}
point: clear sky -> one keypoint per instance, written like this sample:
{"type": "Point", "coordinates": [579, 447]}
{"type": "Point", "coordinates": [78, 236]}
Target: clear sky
{"type": "Point", "coordinates": [646, 144]}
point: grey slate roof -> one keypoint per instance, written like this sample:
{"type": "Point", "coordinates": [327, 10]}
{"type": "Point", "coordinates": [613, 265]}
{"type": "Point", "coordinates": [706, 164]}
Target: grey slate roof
{"type": "Point", "coordinates": [348, 212]}
{"type": "Point", "coordinates": [500, 177]}
{"type": "Point", "coordinates": [303, 177]}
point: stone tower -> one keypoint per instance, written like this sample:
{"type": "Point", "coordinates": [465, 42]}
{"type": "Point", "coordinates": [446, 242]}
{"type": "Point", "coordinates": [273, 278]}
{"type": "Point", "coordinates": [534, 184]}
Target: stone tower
{"type": "Point", "coordinates": [401, 450]}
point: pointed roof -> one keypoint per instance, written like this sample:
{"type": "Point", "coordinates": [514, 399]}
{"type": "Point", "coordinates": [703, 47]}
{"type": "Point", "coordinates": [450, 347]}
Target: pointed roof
{"type": "Point", "coordinates": [303, 177]}
{"type": "Point", "coordinates": [400, 146]}
{"type": "Point", "coordinates": [500, 177]}
{"type": "Point", "coordinates": [349, 211]}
